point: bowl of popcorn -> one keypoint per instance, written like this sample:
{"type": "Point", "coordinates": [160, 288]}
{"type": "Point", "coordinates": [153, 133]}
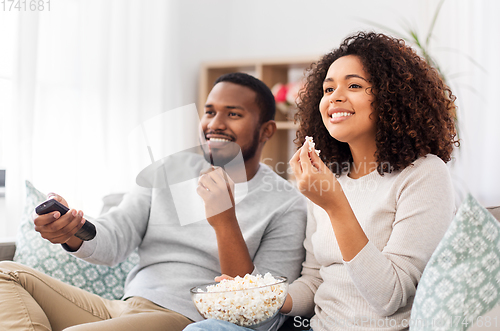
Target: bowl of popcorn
{"type": "Point", "coordinates": [246, 301]}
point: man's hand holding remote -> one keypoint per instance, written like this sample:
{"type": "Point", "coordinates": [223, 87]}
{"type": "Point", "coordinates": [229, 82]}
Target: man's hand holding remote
{"type": "Point", "coordinates": [60, 229]}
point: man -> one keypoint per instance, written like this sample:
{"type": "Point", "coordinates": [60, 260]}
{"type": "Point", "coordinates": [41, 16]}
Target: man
{"type": "Point", "coordinates": [262, 233]}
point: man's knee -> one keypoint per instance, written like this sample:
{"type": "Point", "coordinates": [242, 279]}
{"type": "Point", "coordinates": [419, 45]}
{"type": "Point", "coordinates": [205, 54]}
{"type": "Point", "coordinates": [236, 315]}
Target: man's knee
{"type": "Point", "coordinates": [12, 268]}
{"type": "Point", "coordinates": [7, 269]}
{"type": "Point", "coordinates": [7, 265]}
{"type": "Point", "coordinates": [12, 271]}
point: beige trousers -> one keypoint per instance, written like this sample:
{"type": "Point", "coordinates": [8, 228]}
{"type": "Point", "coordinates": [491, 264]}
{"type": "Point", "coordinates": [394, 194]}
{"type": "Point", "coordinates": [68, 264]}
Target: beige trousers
{"type": "Point", "coordinates": [31, 300]}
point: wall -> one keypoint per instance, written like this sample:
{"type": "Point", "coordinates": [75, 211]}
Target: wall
{"type": "Point", "coordinates": [225, 29]}
{"type": "Point", "coordinates": [468, 48]}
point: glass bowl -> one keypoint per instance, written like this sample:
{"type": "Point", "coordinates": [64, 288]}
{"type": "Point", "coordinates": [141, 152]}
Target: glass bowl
{"type": "Point", "coordinates": [249, 307]}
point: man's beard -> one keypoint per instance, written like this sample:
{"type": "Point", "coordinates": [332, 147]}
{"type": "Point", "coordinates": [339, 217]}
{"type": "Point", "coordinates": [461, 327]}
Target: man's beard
{"type": "Point", "coordinates": [222, 156]}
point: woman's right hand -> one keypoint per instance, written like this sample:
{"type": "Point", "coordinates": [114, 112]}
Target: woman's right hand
{"type": "Point", "coordinates": [57, 228]}
{"type": "Point", "coordinates": [287, 306]}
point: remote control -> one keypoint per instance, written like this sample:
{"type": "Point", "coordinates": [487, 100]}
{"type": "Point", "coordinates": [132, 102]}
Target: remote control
{"type": "Point", "coordinates": [86, 232]}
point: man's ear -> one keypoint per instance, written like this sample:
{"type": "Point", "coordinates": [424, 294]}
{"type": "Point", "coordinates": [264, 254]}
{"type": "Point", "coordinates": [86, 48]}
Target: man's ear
{"type": "Point", "coordinates": [267, 130]}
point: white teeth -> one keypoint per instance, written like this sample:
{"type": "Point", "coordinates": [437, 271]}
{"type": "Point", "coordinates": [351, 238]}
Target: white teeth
{"type": "Point", "coordinates": [341, 114]}
{"type": "Point", "coordinates": [218, 140]}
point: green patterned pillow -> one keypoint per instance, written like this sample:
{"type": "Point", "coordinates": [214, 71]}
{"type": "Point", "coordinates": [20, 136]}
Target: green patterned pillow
{"type": "Point", "coordinates": [34, 251]}
{"type": "Point", "coordinates": [462, 279]}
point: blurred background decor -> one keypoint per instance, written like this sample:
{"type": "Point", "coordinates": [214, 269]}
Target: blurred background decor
{"type": "Point", "coordinates": [286, 96]}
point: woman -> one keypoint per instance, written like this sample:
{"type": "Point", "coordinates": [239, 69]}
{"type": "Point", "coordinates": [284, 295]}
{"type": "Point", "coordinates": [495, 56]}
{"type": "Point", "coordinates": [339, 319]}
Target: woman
{"type": "Point", "coordinates": [380, 195]}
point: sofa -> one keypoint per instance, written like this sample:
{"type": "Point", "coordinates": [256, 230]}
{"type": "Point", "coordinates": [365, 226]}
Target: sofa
{"type": "Point", "coordinates": [467, 260]}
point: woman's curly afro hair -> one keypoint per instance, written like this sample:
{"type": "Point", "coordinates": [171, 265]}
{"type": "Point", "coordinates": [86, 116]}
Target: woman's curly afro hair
{"type": "Point", "coordinates": [414, 109]}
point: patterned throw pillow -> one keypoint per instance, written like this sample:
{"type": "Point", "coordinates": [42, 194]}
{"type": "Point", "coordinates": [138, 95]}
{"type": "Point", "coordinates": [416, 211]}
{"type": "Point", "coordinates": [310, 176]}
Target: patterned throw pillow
{"type": "Point", "coordinates": [462, 279]}
{"type": "Point", "coordinates": [34, 251]}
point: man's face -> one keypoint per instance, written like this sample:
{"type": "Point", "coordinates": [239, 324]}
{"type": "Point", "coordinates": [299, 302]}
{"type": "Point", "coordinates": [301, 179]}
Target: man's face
{"type": "Point", "coordinates": [231, 122]}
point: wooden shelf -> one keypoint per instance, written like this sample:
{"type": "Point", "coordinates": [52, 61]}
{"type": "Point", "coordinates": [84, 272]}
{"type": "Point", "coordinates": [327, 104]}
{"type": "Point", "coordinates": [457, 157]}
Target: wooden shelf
{"type": "Point", "coordinates": [287, 125]}
{"type": "Point", "coordinates": [277, 151]}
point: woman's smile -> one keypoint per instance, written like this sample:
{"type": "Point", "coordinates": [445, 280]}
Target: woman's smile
{"type": "Point", "coordinates": [338, 115]}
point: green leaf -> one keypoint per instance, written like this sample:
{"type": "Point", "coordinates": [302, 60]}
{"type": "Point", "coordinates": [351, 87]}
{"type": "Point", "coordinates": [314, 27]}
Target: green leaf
{"type": "Point", "coordinates": [433, 23]}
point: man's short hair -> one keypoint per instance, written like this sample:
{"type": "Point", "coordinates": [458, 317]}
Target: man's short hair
{"type": "Point", "coordinates": [264, 99]}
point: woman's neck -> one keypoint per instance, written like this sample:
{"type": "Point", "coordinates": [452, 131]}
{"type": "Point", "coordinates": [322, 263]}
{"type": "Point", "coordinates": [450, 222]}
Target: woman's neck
{"type": "Point", "coordinates": [363, 161]}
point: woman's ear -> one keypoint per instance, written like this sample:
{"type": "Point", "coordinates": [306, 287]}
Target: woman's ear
{"type": "Point", "coordinates": [267, 130]}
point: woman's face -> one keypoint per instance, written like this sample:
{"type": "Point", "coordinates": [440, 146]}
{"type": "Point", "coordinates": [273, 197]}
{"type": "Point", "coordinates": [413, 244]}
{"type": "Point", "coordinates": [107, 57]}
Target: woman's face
{"type": "Point", "coordinates": [346, 107]}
